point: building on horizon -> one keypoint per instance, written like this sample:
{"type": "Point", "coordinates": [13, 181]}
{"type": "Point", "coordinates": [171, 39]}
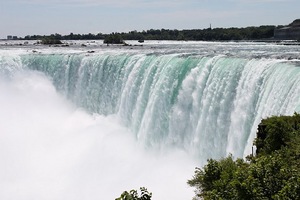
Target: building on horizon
{"type": "Point", "coordinates": [290, 32]}
{"type": "Point", "coordinates": [10, 37]}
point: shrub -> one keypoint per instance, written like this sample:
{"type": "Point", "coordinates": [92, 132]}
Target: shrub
{"type": "Point", "coordinates": [272, 174]}
{"type": "Point", "coordinates": [133, 195]}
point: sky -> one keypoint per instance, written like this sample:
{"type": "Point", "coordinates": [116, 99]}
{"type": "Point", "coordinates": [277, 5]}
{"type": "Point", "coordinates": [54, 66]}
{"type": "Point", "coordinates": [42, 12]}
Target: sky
{"type": "Point", "coordinates": [44, 17]}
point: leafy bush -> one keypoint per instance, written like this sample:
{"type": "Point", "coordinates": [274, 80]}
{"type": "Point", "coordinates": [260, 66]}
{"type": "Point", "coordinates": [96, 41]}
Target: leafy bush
{"type": "Point", "coordinates": [113, 39]}
{"type": "Point", "coordinates": [272, 174]}
{"type": "Point", "coordinates": [133, 195]}
{"type": "Point", "coordinates": [50, 40]}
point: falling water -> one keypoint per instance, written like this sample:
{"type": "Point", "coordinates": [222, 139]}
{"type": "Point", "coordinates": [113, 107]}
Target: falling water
{"type": "Point", "coordinates": [84, 125]}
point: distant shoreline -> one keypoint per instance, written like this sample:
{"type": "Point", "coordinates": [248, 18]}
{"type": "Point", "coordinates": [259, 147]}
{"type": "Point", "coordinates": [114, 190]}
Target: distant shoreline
{"type": "Point", "coordinates": [66, 43]}
{"type": "Point", "coordinates": [265, 33]}
{"type": "Point", "coordinates": [209, 34]}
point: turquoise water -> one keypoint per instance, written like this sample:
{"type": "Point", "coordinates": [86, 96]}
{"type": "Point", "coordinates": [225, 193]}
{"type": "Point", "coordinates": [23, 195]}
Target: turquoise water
{"type": "Point", "coordinates": [193, 102]}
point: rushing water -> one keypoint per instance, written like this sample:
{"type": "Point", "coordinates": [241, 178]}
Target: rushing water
{"type": "Point", "coordinates": [81, 125]}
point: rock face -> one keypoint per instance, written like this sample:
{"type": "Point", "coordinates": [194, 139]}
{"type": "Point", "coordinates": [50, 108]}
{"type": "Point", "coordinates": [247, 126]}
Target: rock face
{"type": "Point", "coordinates": [290, 32]}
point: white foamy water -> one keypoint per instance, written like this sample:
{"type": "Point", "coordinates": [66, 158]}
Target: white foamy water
{"type": "Point", "coordinates": [82, 125]}
{"type": "Point", "coordinates": [51, 150]}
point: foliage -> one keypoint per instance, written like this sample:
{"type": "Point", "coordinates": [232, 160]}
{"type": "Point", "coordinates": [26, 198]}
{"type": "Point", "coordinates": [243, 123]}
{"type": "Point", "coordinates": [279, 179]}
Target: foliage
{"type": "Point", "coordinates": [113, 39]}
{"type": "Point", "coordinates": [133, 195]}
{"type": "Point", "coordinates": [272, 174]}
{"type": "Point", "coordinates": [277, 132]}
{"type": "Point", "coordinates": [50, 40]}
{"type": "Point", "coordinates": [216, 34]}
{"type": "Point", "coordinates": [220, 34]}
{"type": "Point", "coordinates": [71, 36]}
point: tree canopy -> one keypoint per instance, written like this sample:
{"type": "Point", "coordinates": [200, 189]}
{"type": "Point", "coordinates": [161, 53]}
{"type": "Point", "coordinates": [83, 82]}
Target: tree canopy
{"type": "Point", "coordinates": [216, 34]}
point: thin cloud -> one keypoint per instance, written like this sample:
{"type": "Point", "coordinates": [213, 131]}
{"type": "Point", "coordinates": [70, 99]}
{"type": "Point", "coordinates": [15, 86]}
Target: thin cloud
{"type": "Point", "coordinates": [109, 3]}
{"type": "Point", "coordinates": [262, 1]}
{"type": "Point", "coordinates": [77, 2]}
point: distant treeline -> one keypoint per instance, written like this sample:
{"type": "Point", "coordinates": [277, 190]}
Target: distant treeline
{"type": "Point", "coordinates": [216, 34]}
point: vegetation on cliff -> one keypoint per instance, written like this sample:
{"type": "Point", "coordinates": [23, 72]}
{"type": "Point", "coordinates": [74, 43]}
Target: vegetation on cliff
{"type": "Point", "coordinates": [272, 174]}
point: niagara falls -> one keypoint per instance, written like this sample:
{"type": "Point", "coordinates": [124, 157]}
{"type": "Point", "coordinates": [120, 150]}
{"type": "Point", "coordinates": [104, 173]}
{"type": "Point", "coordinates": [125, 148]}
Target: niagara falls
{"type": "Point", "coordinates": [89, 122]}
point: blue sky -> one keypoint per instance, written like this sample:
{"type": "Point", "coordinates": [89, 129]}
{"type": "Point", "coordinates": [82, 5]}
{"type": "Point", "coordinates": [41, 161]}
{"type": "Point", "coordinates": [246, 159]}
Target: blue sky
{"type": "Point", "coordinates": [43, 17]}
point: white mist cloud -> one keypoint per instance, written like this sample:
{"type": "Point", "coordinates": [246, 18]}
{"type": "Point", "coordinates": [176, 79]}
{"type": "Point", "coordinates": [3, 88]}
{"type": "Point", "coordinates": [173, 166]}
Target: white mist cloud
{"type": "Point", "coordinates": [51, 150]}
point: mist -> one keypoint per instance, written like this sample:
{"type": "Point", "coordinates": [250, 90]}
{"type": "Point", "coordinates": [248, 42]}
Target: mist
{"type": "Point", "coordinates": [51, 149]}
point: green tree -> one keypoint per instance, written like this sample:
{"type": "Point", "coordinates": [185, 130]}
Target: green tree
{"type": "Point", "coordinates": [133, 195]}
{"type": "Point", "coordinates": [50, 40]}
{"type": "Point", "coordinates": [113, 38]}
{"type": "Point", "coordinates": [272, 174]}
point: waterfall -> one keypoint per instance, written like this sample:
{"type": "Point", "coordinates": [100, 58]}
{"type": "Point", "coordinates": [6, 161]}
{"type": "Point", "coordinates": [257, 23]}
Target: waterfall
{"type": "Point", "coordinates": [79, 125]}
{"type": "Point", "coordinates": [209, 106]}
